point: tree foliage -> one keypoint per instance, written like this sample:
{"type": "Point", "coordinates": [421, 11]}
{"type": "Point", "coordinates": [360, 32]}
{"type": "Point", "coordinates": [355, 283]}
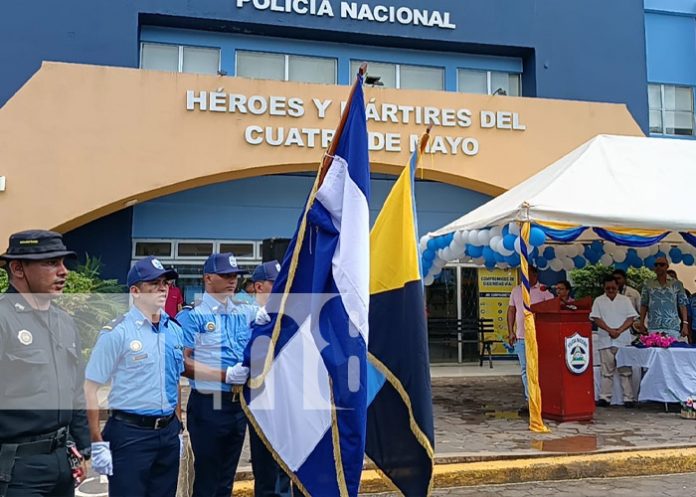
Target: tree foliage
{"type": "Point", "coordinates": [588, 281]}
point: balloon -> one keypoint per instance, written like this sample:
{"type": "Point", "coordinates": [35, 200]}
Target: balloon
{"type": "Point", "coordinates": [688, 260]}
{"type": "Point", "coordinates": [637, 262]}
{"type": "Point", "coordinates": [446, 254]}
{"type": "Point", "coordinates": [561, 251]}
{"type": "Point", "coordinates": [537, 237]}
{"type": "Point", "coordinates": [490, 264]}
{"type": "Point", "coordinates": [509, 242]}
{"type": "Point", "coordinates": [432, 244]}
{"type": "Point", "coordinates": [513, 260]}
{"type": "Point", "coordinates": [622, 265]}
{"type": "Point", "coordinates": [514, 229]}
{"type": "Point", "coordinates": [579, 261]}
{"type": "Point", "coordinates": [496, 231]}
{"type": "Point", "coordinates": [474, 251]}
{"type": "Point", "coordinates": [568, 264]}
{"type": "Point", "coordinates": [619, 255]}
{"type": "Point", "coordinates": [461, 237]}
{"type": "Point", "coordinates": [643, 252]}
{"type": "Point", "coordinates": [483, 237]}
{"type": "Point", "coordinates": [649, 261]}
{"type": "Point", "coordinates": [498, 257]}
{"type": "Point", "coordinates": [676, 255]}
{"type": "Point", "coordinates": [428, 255]}
{"type": "Point", "coordinates": [606, 260]}
{"type": "Point", "coordinates": [660, 254]}
{"type": "Point", "coordinates": [488, 254]}
{"type": "Point", "coordinates": [572, 250]}
{"type": "Point", "coordinates": [556, 265]}
{"type": "Point", "coordinates": [473, 237]}
{"type": "Point", "coordinates": [504, 250]}
{"type": "Point", "coordinates": [506, 230]}
{"type": "Point", "coordinates": [428, 280]}
{"type": "Point", "coordinates": [541, 261]}
{"type": "Point", "coordinates": [423, 244]}
{"type": "Point", "coordinates": [518, 249]}
{"type": "Point", "coordinates": [442, 241]}
{"type": "Point", "coordinates": [494, 241]}
{"type": "Point", "coordinates": [549, 253]}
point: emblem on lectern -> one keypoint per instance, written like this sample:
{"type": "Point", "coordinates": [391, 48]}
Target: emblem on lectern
{"type": "Point", "coordinates": [577, 353]}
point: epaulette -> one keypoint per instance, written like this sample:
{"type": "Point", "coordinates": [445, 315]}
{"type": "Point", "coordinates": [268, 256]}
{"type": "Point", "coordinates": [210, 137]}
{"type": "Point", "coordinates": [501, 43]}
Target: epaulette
{"type": "Point", "coordinates": [113, 324]}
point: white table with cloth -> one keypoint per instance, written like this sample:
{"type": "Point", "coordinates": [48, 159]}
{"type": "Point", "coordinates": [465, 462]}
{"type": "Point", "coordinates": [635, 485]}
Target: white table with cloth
{"type": "Point", "coordinates": [670, 375]}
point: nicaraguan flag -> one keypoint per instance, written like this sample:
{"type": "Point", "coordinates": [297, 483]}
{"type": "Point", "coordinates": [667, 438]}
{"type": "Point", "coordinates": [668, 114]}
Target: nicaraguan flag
{"type": "Point", "coordinates": [307, 395]}
{"type": "Point", "coordinates": [400, 413]}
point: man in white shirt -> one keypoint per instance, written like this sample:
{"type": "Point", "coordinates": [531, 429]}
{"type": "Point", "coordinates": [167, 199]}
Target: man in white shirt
{"type": "Point", "coordinates": [515, 321]}
{"type": "Point", "coordinates": [613, 314]}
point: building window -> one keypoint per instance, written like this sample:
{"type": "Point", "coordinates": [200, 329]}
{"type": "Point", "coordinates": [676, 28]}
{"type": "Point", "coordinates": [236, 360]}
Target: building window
{"type": "Point", "coordinates": [154, 248]}
{"type": "Point", "coordinates": [194, 249]}
{"type": "Point", "coordinates": [263, 65]}
{"type": "Point", "coordinates": [404, 76]}
{"type": "Point", "coordinates": [671, 109]}
{"type": "Point", "coordinates": [488, 82]}
{"type": "Point", "coordinates": [179, 58]}
{"type": "Point", "coordinates": [241, 250]}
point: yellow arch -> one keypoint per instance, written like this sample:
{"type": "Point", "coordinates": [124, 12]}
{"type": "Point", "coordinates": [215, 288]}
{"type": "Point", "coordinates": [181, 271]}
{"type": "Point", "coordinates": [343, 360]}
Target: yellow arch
{"type": "Point", "coordinates": [78, 142]}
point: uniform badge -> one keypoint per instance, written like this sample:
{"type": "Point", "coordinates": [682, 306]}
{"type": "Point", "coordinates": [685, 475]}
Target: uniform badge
{"type": "Point", "coordinates": [25, 337]}
{"type": "Point", "coordinates": [157, 264]}
{"type": "Point", "coordinates": [210, 326]}
{"type": "Point", "coordinates": [136, 345]}
{"type": "Point", "coordinates": [233, 261]}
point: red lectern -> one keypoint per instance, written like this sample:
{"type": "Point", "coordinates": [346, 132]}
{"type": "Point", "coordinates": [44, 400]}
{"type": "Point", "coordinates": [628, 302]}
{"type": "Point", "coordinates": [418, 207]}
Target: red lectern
{"type": "Point", "coordinates": [564, 337]}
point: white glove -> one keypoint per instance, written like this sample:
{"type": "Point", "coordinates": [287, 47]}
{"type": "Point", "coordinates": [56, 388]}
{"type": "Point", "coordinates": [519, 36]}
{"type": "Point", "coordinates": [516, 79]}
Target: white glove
{"type": "Point", "coordinates": [262, 317]}
{"type": "Point", "coordinates": [101, 458]}
{"type": "Point", "coordinates": [182, 449]}
{"type": "Point", "coordinates": [237, 374]}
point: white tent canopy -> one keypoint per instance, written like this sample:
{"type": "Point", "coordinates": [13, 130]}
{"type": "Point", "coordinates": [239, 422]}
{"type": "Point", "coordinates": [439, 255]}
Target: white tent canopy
{"type": "Point", "coordinates": [618, 200]}
{"type": "Point", "coordinates": [610, 181]}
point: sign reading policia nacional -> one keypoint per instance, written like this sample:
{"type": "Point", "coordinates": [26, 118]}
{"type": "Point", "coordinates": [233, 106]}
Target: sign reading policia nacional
{"type": "Point", "coordinates": [101, 127]}
{"type": "Point", "coordinates": [358, 11]}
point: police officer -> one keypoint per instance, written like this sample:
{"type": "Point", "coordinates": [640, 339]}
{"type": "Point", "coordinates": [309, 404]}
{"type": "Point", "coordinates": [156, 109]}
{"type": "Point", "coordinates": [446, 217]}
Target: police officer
{"type": "Point", "coordinates": [41, 398]}
{"type": "Point", "coordinates": [269, 479]}
{"type": "Point", "coordinates": [141, 354]}
{"type": "Point", "coordinates": [215, 334]}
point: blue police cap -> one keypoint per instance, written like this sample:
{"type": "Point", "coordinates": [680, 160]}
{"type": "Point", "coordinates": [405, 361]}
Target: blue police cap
{"type": "Point", "coordinates": [268, 271]}
{"type": "Point", "coordinates": [149, 269]}
{"type": "Point", "coordinates": [224, 263]}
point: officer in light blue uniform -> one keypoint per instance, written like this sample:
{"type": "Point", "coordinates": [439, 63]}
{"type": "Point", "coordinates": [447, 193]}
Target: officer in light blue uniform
{"type": "Point", "coordinates": [141, 354]}
{"type": "Point", "coordinates": [215, 334]}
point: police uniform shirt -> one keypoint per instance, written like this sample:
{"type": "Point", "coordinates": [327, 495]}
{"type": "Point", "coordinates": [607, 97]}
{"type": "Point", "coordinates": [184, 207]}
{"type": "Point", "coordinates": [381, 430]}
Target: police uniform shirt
{"type": "Point", "coordinates": [143, 361]}
{"type": "Point", "coordinates": [41, 370]}
{"type": "Point", "coordinates": [218, 334]}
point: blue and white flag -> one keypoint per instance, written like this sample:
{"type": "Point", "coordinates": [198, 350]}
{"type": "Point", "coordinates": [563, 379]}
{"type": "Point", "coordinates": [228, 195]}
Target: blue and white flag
{"type": "Point", "coordinates": [306, 397]}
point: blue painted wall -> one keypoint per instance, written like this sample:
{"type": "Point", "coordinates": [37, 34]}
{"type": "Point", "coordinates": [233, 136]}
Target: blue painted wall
{"type": "Point", "coordinates": [108, 239]}
{"type": "Point", "coordinates": [269, 206]}
{"type": "Point", "coordinates": [572, 49]}
{"type": "Point", "coordinates": [671, 48]}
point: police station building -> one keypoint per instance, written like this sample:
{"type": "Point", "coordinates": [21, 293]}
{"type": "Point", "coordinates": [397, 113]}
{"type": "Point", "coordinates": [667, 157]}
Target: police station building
{"type": "Point", "coordinates": [177, 128]}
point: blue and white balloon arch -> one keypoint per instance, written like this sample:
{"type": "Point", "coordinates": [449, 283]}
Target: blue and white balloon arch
{"type": "Point", "coordinates": [500, 247]}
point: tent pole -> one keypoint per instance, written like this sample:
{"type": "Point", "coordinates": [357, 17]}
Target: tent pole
{"type": "Point", "coordinates": [536, 424]}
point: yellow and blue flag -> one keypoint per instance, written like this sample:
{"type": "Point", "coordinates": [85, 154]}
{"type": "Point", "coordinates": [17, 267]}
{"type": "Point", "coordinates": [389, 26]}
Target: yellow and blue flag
{"type": "Point", "coordinates": [400, 415]}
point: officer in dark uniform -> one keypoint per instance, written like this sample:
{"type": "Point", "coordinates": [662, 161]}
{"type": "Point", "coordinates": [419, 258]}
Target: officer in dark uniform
{"type": "Point", "coordinates": [41, 396]}
{"type": "Point", "coordinates": [142, 355]}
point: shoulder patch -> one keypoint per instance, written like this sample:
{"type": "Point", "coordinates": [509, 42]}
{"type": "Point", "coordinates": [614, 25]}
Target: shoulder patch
{"type": "Point", "coordinates": [113, 324]}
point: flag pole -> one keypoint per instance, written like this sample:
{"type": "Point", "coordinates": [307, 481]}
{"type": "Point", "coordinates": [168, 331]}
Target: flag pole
{"type": "Point", "coordinates": [329, 154]}
{"type": "Point", "coordinates": [257, 381]}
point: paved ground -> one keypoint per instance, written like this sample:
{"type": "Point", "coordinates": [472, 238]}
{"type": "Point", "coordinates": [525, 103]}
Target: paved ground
{"type": "Point", "coordinates": [645, 486]}
{"type": "Point", "coordinates": [478, 416]}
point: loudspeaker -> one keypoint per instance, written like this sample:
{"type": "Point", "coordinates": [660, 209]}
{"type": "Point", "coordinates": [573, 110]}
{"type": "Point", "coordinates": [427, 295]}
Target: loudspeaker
{"type": "Point", "coordinates": [274, 249]}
